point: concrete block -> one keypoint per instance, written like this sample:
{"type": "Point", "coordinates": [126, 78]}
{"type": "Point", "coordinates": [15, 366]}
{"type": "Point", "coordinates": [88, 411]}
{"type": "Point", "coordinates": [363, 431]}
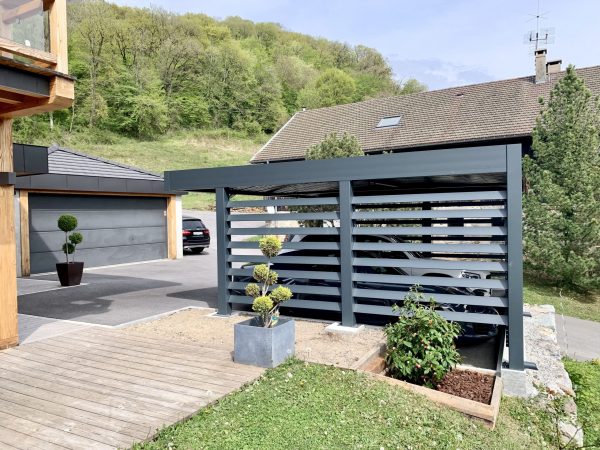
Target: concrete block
{"type": "Point", "coordinates": [263, 347]}
{"type": "Point", "coordinates": [337, 327]}
{"type": "Point", "coordinates": [514, 382]}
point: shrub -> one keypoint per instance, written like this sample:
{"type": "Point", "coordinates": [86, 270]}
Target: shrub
{"type": "Point", "coordinates": [420, 345]}
{"type": "Point", "coordinates": [67, 223]}
{"type": "Point", "coordinates": [266, 301]}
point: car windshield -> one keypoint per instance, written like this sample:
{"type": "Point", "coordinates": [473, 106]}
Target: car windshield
{"type": "Point", "coordinates": [193, 224]}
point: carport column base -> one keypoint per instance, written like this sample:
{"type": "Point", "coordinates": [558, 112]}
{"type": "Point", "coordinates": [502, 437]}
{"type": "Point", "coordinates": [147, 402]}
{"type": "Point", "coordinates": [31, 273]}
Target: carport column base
{"type": "Point", "coordinates": [338, 328]}
{"type": "Point", "coordinates": [514, 382]}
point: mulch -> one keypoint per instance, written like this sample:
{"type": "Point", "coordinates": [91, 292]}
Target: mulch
{"type": "Point", "coordinates": [466, 384]}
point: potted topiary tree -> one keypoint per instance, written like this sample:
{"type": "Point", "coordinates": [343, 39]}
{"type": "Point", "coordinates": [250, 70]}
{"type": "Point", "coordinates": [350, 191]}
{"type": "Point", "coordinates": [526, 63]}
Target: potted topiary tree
{"type": "Point", "coordinates": [265, 340]}
{"type": "Point", "coordinates": [70, 272]}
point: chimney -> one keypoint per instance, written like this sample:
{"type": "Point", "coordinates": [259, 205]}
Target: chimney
{"type": "Point", "coordinates": [553, 66]}
{"type": "Point", "coordinates": [540, 66]}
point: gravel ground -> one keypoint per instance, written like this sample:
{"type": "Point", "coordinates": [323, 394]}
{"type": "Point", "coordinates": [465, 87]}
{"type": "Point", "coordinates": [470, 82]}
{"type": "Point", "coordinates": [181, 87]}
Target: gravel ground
{"type": "Point", "coordinates": [313, 342]}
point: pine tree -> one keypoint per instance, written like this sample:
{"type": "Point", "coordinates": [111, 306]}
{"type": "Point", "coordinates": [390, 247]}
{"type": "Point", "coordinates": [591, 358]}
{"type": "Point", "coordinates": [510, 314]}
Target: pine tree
{"type": "Point", "coordinates": [561, 203]}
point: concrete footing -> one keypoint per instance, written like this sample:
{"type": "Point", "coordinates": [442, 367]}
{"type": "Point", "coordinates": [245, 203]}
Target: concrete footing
{"type": "Point", "coordinates": [514, 382]}
{"type": "Point", "coordinates": [337, 327]}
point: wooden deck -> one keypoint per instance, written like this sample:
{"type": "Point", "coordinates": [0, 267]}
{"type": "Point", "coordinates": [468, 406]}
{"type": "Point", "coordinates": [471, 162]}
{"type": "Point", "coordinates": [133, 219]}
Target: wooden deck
{"type": "Point", "coordinates": [98, 388]}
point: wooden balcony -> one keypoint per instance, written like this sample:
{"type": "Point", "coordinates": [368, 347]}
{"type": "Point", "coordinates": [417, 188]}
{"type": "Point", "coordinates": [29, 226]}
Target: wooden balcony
{"type": "Point", "coordinates": [33, 57]}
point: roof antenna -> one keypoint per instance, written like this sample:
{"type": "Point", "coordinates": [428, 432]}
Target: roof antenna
{"type": "Point", "coordinates": [540, 37]}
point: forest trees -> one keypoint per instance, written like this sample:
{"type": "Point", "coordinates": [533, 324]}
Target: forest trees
{"type": "Point", "coordinates": [143, 72]}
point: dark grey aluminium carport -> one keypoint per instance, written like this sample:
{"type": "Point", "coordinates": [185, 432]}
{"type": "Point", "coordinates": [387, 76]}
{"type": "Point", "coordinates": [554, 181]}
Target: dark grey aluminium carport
{"type": "Point", "coordinates": [460, 207]}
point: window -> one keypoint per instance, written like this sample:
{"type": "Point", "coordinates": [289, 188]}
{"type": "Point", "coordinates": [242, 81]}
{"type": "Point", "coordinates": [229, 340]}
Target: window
{"type": "Point", "coordinates": [389, 122]}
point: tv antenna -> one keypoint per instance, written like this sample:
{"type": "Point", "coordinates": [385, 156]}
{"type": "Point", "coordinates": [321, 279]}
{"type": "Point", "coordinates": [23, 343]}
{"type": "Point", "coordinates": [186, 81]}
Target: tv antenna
{"type": "Point", "coordinates": [540, 37]}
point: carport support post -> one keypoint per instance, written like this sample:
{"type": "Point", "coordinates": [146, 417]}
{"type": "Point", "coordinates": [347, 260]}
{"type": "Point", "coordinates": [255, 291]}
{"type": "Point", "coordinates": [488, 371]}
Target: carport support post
{"type": "Point", "coordinates": [346, 269]}
{"type": "Point", "coordinates": [223, 252]}
{"type": "Point", "coordinates": [516, 357]}
{"type": "Point", "coordinates": [9, 331]}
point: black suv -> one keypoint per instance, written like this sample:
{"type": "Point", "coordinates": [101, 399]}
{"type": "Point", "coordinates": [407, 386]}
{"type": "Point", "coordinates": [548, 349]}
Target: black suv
{"type": "Point", "coordinates": [196, 236]}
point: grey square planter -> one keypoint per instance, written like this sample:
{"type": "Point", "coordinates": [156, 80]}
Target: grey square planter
{"type": "Point", "coordinates": [263, 347]}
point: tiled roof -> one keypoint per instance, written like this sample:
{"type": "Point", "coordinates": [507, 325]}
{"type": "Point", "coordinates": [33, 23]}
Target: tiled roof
{"type": "Point", "coordinates": [68, 162]}
{"type": "Point", "coordinates": [480, 112]}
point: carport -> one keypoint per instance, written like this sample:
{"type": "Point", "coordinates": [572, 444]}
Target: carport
{"type": "Point", "coordinates": [460, 208]}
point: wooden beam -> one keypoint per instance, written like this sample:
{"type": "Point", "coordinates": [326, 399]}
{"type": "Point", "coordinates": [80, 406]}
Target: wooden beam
{"type": "Point", "coordinates": [35, 54]}
{"type": "Point", "coordinates": [11, 97]}
{"type": "Point", "coordinates": [9, 331]}
{"type": "Point", "coordinates": [24, 234]}
{"type": "Point", "coordinates": [172, 234]}
{"type": "Point", "coordinates": [57, 15]}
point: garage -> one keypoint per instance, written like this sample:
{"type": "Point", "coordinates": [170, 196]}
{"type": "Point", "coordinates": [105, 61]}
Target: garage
{"type": "Point", "coordinates": [117, 229]}
{"type": "Point", "coordinates": [124, 213]}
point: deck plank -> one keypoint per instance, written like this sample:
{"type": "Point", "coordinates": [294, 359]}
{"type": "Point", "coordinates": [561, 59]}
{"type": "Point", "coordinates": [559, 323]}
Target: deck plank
{"type": "Point", "coordinates": [98, 388]}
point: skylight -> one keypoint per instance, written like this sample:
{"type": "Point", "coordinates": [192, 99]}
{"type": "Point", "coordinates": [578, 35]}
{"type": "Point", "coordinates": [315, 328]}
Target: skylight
{"type": "Point", "coordinates": [389, 122]}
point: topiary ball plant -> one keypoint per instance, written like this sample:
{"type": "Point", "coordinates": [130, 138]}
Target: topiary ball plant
{"type": "Point", "coordinates": [67, 224]}
{"type": "Point", "coordinates": [267, 300]}
{"type": "Point", "coordinates": [420, 345]}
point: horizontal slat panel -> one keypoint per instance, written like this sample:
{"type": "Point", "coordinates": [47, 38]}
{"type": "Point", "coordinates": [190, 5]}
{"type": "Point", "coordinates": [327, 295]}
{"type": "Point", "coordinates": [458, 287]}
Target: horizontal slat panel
{"type": "Point", "coordinates": [429, 214]}
{"type": "Point", "coordinates": [325, 260]}
{"type": "Point", "coordinates": [293, 303]}
{"type": "Point", "coordinates": [283, 216]}
{"type": "Point", "coordinates": [431, 281]}
{"type": "Point", "coordinates": [449, 248]}
{"type": "Point", "coordinates": [296, 274]}
{"type": "Point", "coordinates": [294, 230]}
{"type": "Point", "coordinates": [490, 319]}
{"type": "Point", "coordinates": [473, 300]}
{"type": "Point", "coordinates": [298, 288]}
{"type": "Point", "coordinates": [283, 202]}
{"type": "Point", "coordinates": [429, 197]}
{"type": "Point", "coordinates": [291, 245]}
{"type": "Point", "coordinates": [430, 231]}
{"type": "Point", "coordinates": [427, 263]}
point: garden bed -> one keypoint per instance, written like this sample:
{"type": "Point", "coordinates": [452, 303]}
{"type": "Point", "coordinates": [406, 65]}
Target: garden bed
{"type": "Point", "coordinates": [474, 392]}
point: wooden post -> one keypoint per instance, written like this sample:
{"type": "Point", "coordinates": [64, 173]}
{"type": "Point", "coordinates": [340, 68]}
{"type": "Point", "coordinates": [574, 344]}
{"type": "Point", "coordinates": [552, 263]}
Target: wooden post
{"type": "Point", "coordinates": [172, 234]}
{"type": "Point", "coordinates": [24, 234]}
{"type": "Point", "coordinates": [9, 331]}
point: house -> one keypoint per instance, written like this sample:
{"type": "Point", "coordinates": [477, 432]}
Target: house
{"type": "Point", "coordinates": [124, 213]}
{"type": "Point", "coordinates": [498, 112]}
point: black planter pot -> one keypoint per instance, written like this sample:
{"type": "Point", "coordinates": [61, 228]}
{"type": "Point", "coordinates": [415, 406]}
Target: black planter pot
{"type": "Point", "coordinates": [69, 274]}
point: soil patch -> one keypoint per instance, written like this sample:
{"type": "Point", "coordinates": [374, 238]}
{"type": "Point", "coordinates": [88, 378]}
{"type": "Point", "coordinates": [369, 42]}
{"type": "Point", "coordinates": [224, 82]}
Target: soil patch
{"type": "Point", "coordinates": [470, 385]}
{"type": "Point", "coordinates": [313, 342]}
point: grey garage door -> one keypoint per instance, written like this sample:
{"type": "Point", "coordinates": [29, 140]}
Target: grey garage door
{"type": "Point", "coordinates": [115, 229]}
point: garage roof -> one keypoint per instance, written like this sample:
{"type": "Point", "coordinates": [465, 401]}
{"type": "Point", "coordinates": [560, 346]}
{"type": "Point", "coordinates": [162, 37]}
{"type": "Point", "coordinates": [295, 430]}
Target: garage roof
{"type": "Point", "coordinates": [69, 162]}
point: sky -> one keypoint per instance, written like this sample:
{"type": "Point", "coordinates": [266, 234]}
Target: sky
{"type": "Point", "coordinates": [442, 43]}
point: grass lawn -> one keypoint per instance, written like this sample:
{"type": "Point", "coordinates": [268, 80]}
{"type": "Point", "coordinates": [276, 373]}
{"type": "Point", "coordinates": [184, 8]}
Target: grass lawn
{"type": "Point", "coordinates": [183, 150]}
{"type": "Point", "coordinates": [586, 380]}
{"type": "Point", "coordinates": [300, 405]}
{"type": "Point", "coordinates": [583, 306]}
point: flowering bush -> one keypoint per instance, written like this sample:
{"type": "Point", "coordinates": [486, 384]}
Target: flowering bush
{"type": "Point", "coordinates": [266, 300]}
{"type": "Point", "coordinates": [420, 345]}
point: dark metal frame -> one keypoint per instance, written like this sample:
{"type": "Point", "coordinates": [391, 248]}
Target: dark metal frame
{"type": "Point", "coordinates": [465, 203]}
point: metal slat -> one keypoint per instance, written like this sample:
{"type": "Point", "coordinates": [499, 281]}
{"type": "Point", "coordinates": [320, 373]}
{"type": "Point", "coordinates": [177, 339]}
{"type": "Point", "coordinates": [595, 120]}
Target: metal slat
{"type": "Point", "coordinates": [328, 231]}
{"type": "Point", "coordinates": [429, 263]}
{"type": "Point", "coordinates": [472, 300]}
{"type": "Point", "coordinates": [293, 303]}
{"type": "Point", "coordinates": [429, 197]}
{"type": "Point", "coordinates": [449, 248]}
{"type": "Point", "coordinates": [282, 216]}
{"type": "Point", "coordinates": [431, 281]}
{"type": "Point", "coordinates": [283, 202]}
{"type": "Point", "coordinates": [324, 260]}
{"type": "Point", "coordinates": [429, 214]}
{"type": "Point", "coordinates": [430, 231]}
{"type": "Point", "coordinates": [295, 274]}
{"type": "Point", "coordinates": [489, 319]}
{"type": "Point", "coordinates": [298, 288]}
{"type": "Point", "coordinates": [292, 245]}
